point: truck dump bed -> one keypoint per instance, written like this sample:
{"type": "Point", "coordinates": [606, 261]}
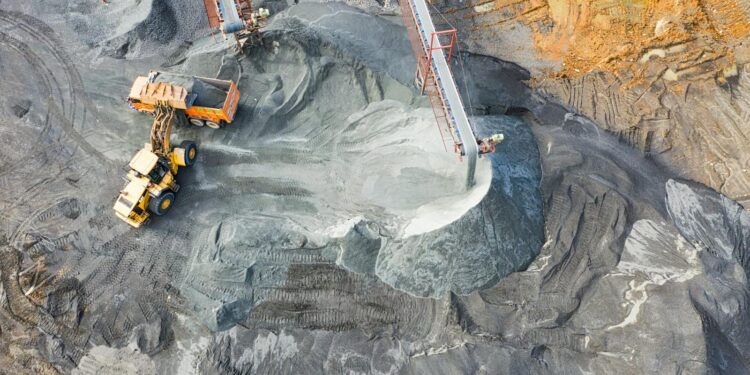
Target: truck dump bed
{"type": "Point", "coordinates": [208, 92]}
{"type": "Point", "coordinates": [145, 93]}
{"type": "Point", "coordinates": [200, 97]}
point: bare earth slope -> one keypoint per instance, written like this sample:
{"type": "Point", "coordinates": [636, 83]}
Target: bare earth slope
{"type": "Point", "coordinates": [668, 77]}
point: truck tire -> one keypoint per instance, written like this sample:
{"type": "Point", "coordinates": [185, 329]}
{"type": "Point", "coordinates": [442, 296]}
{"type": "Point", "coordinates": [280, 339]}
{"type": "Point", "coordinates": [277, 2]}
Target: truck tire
{"type": "Point", "coordinates": [213, 124]}
{"type": "Point", "coordinates": [197, 122]}
{"type": "Point", "coordinates": [191, 152]}
{"type": "Point", "coordinates": [160, 205]}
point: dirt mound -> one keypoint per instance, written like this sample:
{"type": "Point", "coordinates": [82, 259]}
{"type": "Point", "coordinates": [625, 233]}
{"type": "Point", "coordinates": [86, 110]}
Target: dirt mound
{"type": "Point", "coordinates": [137, 35]}
{"type": "Point", "coordinates": [160, 25]}
{"type": "Point", "coordinates": [331, 139]}
{"type": "Point", "coordinates": [138, 28]}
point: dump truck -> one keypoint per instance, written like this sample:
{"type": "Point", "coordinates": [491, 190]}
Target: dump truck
{"type": "Point", "coordinates": [204, 101]}
{"type": "Point", "coordinates": [152, 180]}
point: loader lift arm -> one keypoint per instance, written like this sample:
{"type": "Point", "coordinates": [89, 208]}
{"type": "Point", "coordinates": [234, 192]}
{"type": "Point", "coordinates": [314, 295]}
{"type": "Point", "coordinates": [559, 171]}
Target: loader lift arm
{"type": "Point", "coordinates": [161, 130]}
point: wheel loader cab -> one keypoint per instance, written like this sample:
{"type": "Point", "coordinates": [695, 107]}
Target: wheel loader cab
{"type": "Point", "coordinates": [145, 163]}
{"type": "Point", "coordinates": [151, 189]}
{"type": "Point", "coordinates": [159, 171]}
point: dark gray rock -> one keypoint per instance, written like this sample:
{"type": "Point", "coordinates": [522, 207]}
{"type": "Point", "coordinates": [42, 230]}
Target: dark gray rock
{"type": "Point", "coordinates": [710, 220]}
{"type": "Point", "coordinates": [360, 248]}
{"type": "Point", "coordinates": [720, 228]}
{"type": "Point", "coordinates": [634, 274]}
{"type": "Point", "coordinates": [21, 108]}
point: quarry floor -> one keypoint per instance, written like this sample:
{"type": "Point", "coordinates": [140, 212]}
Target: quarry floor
{"type": "Point", "coordinates": [326, 230]}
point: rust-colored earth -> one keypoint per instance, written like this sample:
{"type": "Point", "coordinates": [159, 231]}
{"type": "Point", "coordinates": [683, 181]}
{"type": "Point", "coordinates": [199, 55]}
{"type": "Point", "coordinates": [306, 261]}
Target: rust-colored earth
{"type": "Point", "coordinates": [613, 35]}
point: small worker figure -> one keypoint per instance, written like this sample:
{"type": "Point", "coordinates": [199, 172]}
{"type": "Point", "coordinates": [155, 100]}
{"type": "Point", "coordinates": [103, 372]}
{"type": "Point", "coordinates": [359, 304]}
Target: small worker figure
{"type": "Point", "coordinates": [487, 145]}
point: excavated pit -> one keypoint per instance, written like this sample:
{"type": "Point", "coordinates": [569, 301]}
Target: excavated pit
{"type": "Point", "coordinates": [326, 230]}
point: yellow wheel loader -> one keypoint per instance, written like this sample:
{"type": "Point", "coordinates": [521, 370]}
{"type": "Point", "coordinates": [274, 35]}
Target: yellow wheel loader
{"type": "Point", "coordinates": [152, 186]}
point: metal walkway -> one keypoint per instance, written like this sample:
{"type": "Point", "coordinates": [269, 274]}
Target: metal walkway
{"type": "Point", "coordinates": [433, 68]}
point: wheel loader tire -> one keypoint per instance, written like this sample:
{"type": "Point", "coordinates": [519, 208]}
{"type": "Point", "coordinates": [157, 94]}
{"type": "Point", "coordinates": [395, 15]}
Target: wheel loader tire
{"type": "Point", "coordinates": [213, 125]}
{"type": "Point", "coordinates": [191, 152]}
{"type": "Point", "coordinates": [160, 205]}
{"type": "Point", "coordinates": [197, 122]}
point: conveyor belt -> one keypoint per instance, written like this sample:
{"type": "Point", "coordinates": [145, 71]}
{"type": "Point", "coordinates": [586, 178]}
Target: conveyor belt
{"type": "Point", "coordinates": [447, 86]}
{"type": "Point", "coordinates": [232, 20]}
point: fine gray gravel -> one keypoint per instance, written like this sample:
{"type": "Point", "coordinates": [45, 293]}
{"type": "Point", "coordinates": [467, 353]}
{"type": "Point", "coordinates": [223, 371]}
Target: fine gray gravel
{"type": "Point", "coordinates": [326, 230]}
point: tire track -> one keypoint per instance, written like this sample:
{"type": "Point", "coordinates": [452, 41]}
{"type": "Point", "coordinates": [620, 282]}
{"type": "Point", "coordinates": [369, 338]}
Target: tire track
{"type": "Point", "coordinates": [70, 111]}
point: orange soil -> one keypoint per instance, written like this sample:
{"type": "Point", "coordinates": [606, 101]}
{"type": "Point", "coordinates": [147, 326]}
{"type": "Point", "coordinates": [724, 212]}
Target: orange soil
{"type": "Point", "coordinates": [612, 35]}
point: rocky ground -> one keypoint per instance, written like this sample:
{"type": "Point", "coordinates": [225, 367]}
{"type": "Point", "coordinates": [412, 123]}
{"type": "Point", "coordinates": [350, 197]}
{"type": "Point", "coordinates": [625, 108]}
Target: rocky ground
{"type": "Point", "coordinates": [326, 230]}
{"type": "Point", "coordinates": [668, 78]}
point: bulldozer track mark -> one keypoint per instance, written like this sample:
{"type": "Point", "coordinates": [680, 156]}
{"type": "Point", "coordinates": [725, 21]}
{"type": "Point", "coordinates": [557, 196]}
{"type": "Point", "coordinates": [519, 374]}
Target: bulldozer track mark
{"type": "Point", "coordinates": [120, 263]}
{"type": "Point", "coordinates": [249, 185]}
{"type": "Point", "coordinates": [48, 245]}
{"type": "Point", "coordinates": [218, 292]}
{"type": "Point", "coordinates": [108, 272]}
{"type": "Point", "coordinates": [600, 214]}
{"type": "Point", "coordinates": [323, 296]}
{"type": "Point", "coordinates": [41, 215]}
{"type": "Point", "coordinates": [556, 337]}
{"type": "Point", "coordinates": [268, 257]}
{"type": "Point", "coordinates": [24, 310]}
{"type": "Point", "coordinates": [66, 207]}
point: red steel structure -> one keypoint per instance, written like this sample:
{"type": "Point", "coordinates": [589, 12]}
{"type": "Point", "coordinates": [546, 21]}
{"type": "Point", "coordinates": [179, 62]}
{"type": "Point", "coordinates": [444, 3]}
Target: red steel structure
{"type": "Point", "coordinates": [426, 75]}
{"type": "Point", "coordinates": [213, 15]}
{"type": "Point", "coordinates": [238, 19]}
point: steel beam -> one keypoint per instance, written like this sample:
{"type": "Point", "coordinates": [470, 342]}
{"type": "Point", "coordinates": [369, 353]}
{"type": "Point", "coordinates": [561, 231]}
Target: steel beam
{"type": "Point", "coordinates": [447, 86]}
